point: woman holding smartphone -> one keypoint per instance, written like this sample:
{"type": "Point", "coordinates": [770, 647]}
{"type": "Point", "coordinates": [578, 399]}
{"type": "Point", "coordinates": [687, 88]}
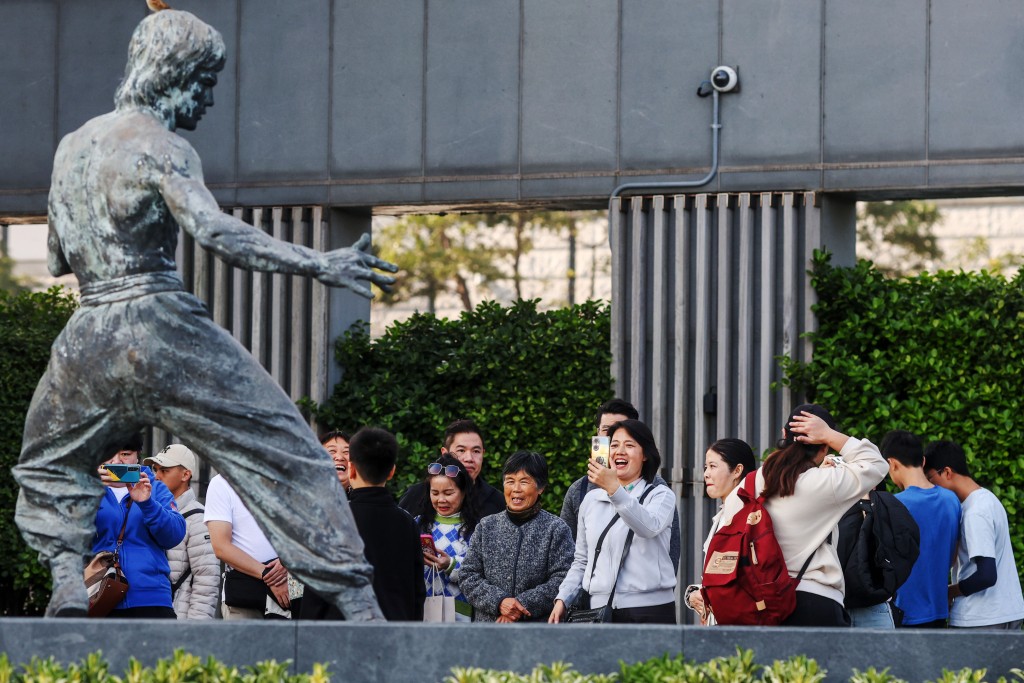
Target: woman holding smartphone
{"type": "Point", "coordinates": [625, 501]}
{"type": "Point", "coordinates": [447, 519]}
{"type": "Point", "coordinates": [726, 463]}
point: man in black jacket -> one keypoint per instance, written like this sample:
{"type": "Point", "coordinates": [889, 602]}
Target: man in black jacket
{"type": "Point", "coordinates": [391, 540]}
{"type": "Point", "coordinates": [463, 441]}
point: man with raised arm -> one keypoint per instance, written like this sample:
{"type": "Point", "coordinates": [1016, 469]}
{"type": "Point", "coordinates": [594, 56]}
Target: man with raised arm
{"type": "Point", "coordinates": [142, 352]}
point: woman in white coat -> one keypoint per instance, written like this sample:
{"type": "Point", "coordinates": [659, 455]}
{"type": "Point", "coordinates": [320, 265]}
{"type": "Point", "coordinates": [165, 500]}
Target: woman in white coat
{"type": "Point", "coordinates": [644, 589]}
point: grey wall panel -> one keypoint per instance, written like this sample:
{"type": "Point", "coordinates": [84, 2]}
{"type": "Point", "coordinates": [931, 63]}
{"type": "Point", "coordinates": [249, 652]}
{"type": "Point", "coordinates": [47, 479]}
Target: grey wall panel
{"type": "Point", "coordinates": [93, 47]}
{"type": "Point", "coordinates": [871, 46]}
{"type": "Point", "coordinates": [377, 94]}
{"type": "Point", "coordinates": [383, 102]}
{"type": "Point", "coordinates": [215, 139]}
{"type": "Point", "coordinates": [568, 112]}
{"type": "Point", "coordinates": [456, 190]}
{"type": "Point", "coordinates": [776, 118]}
{"type": "Point", "coordinates": [877, 176]}
{"type": "Point", "coordinates": [662, 124]}
{"type": "Point", "coordinates": [282, 103]}
{"type": "Point", "coordinates": [27, 70]}
{"type": "Point", "coordinates": [977, 104]}
{"type": "Point", "coordinates": [472, 108]}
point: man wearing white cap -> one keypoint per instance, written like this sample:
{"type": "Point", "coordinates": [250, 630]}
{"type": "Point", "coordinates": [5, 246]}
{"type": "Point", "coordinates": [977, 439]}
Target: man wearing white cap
{"type": "Point", "coordinates": [195, 569]}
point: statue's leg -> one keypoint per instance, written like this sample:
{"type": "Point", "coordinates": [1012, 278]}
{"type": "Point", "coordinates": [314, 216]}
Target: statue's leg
{"type": "Point", "coordinates": [210, 392]}
{"type": "Point", "coordinates": [66, 435]}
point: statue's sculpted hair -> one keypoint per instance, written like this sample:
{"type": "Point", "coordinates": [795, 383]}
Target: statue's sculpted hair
{"type": "Point", "coordinates": [167, 47]}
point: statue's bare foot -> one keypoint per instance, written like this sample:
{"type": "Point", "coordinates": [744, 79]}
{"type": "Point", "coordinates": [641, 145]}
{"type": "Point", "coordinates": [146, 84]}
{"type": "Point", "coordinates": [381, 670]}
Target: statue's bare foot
{"type": "Point", "coordinates": [69, 599]}
{"type": "Point", "coordinates": [359, 605]}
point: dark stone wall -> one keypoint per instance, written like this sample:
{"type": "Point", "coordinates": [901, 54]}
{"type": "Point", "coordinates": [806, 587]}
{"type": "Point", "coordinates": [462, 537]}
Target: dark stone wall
{"type": "Point", "coordinates": [421, 653]}
{"type": "Point", "coordinates": [399, 102]}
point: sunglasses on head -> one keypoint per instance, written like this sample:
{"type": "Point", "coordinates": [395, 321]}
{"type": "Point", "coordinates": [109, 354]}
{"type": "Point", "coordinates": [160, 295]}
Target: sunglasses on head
{"type": "Point", "coordinates": [436, 468]}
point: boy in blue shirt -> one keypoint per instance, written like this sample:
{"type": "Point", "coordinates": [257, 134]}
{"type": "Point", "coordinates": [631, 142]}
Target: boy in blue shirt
{"type": "Point", "coordinates": [922, 598]}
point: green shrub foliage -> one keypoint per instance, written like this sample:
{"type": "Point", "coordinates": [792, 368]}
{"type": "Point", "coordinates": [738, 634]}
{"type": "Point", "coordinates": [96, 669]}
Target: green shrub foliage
{"type": "Point", "coordinates": [936, 354]}
{"type": "Point", "coordinates": [531, 379]}
{"type": "Point", "coordinates": [29, 322]}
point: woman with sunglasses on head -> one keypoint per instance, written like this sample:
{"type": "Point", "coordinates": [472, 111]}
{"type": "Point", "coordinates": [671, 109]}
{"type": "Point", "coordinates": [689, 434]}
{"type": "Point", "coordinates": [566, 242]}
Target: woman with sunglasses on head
{"type": "Point", "coordinates": [448, 514]}
{"type": "Point", "coordinates": [626, 516]}
{"type": "Point", "coordinates": [726, 463]}
{"type": "Point", "coordinates": [517, 558]}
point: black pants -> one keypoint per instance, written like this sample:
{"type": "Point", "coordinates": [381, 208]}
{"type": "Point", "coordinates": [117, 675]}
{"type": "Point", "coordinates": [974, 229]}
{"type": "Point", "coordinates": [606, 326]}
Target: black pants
{"type": "Point", "coordinates": [654, 614]}
{"type": "Point", "coordinates": [144, 613]}
{"type": "Point", "coordinates": [816, 610]}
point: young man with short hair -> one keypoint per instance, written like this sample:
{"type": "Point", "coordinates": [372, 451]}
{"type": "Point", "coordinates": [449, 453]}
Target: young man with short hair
{"type": "Point", "coordinates": [391, 539]}
{"type": "Point", "coordinates": [464, 441]}
{"type": "Point", "coordinates": [986, 591]}
{"type": "Point", "coordinates": [195, 569]}
{"type": "Point", "coordinates": [922, 598]}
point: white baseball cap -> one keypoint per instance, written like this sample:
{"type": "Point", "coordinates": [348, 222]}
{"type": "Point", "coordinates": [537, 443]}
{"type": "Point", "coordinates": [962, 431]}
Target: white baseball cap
{"type": "Point", "coordinates": [174, 455]}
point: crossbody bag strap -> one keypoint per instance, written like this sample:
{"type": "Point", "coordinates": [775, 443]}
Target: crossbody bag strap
{"type": "Point", "coordinates": [807, 562]}
{"type": "Point", "coordinates": [625, 550]}
{"type": "Point", "coordinates": [600, 542]}
{"type": "Point", "coordinates": [120, 536]}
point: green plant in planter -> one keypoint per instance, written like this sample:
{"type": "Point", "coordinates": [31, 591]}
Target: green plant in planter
{"type": "Point", "coordinates": [798, 669]}
{"type": "Point", "coordinates": [873, 675]}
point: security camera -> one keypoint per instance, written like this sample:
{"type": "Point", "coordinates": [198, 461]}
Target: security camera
{"type": "Point", "coordinates": [725, 79]}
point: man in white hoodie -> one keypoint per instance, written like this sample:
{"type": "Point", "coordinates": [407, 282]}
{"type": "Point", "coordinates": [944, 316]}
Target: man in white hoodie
{"type": "Point", "coordinates": [195, 569]}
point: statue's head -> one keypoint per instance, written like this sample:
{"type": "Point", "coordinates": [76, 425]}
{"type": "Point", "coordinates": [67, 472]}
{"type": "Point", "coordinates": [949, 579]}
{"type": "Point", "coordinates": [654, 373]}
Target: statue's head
{"type": "Point", "coordinates": [173, 61]}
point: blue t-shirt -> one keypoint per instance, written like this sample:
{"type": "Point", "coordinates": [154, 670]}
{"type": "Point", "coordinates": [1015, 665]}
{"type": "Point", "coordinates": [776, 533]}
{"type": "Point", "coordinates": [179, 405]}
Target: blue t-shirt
{"type": "Point", "coordinates": [936, 510]}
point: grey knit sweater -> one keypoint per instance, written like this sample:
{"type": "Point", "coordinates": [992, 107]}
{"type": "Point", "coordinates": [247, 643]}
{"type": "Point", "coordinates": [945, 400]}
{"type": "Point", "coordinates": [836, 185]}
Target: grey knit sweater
{"type": "Point", "coordinates": [525, 562]}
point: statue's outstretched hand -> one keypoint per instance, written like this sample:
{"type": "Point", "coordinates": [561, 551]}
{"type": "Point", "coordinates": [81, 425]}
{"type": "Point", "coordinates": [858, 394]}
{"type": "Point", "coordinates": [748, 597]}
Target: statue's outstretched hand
{"type": "Point", "coordinates": [346, 266]}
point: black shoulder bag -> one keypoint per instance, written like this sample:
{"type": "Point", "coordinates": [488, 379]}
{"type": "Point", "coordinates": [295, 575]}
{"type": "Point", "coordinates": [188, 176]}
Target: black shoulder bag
{"type": "Point", "coordinates": [581, 612]}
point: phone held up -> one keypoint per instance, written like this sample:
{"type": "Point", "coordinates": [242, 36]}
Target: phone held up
{"type": "Point", "coordinates": [599, 449]}
{"type": "Point", "coordinates": [126, 474]}
{"type": "Point", "coordinates": [427, 543]}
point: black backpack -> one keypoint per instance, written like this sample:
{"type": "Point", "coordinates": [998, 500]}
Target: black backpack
{"type": "Point", "coordinates": [879, 541]}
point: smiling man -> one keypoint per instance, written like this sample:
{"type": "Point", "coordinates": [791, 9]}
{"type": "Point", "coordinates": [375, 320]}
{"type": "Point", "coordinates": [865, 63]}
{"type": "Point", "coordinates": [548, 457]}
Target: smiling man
{"type": "Point", "coordinates": [140, 351]}
{"type": "Point", "coordinates": [463, 441]}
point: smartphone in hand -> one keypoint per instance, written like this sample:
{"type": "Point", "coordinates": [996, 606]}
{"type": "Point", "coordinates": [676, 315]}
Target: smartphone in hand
{"type": "Point", "coordinates": [427, 543]}
{"type": "Point", "coordinates": [126, 474]}
{"type": "Point", "coordinates": [599, 449]}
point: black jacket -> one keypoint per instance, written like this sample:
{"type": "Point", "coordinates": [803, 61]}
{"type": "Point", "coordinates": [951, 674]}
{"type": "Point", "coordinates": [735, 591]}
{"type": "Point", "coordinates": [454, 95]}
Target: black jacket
{"type": "Point", "coordinates": [879, 541]}
{"type": "Point", "coordinates": [488, 499]}
{"type": "Point", "coordinates": [391, 543]}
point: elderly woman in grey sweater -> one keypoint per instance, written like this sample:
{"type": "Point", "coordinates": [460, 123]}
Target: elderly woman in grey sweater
{"type": "Point", "coordinates": [518, 558]}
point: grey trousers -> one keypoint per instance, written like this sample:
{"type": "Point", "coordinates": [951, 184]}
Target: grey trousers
{"type": "Point", "coordinates": [140, 352]}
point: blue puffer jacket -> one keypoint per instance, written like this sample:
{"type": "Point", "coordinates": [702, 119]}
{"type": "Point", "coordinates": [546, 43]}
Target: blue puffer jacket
{"type": "Point", "coordinates": [154, 526]}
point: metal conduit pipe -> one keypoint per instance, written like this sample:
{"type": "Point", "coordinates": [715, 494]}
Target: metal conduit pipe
{"type": "Point", "coordinates": [716, 128]}
{"type": "Point", "coordinates": [723, 79]}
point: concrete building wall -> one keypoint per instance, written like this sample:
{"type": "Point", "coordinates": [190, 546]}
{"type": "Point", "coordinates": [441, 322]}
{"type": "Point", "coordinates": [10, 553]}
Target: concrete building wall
{"type": "Point", "coordinates": [398, 103]}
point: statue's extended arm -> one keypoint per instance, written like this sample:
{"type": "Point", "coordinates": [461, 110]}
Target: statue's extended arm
{"type": "Point", "coordinates": [245, 246]}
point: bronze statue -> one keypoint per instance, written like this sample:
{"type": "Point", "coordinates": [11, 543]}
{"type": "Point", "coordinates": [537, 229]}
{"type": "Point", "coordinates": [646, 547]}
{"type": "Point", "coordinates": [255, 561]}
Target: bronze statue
{"type": "Point", "coordinates": [142, 352]}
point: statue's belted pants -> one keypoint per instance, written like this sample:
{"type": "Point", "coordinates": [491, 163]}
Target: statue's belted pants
{"type": "Point", "coordinates": [141, 352]}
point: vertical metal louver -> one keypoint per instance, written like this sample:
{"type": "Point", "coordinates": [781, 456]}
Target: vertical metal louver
{"type": "Point", "coordinates": [707, 290]}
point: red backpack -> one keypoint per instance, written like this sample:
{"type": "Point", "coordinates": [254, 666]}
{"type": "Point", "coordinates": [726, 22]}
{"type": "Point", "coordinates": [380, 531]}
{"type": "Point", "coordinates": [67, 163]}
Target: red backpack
{"type": "Point", "coordinates": [746, 581]}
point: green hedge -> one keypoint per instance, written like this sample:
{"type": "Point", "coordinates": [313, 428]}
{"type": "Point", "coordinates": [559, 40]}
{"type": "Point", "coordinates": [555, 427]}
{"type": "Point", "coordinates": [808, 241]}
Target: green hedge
{"type": "Point", "coordinates": [936, 354]}
{"type": "Point", "coordinates": [29, 322]}
{"type": "Point", "coordinates": [531, 379]}
{"type": "Point", "coordinates": [183, 667]}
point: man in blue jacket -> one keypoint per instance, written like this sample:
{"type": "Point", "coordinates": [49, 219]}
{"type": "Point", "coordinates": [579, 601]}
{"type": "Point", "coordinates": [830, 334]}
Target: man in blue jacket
{"type": "Point", "coordinates": [153, 527]}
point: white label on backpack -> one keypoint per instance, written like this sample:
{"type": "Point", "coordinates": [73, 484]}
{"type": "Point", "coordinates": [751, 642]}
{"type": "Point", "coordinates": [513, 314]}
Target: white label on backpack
{"type": "Point", "coordinates": [722, 562]}
{"type": "Point", "coordinates": [754, 517]}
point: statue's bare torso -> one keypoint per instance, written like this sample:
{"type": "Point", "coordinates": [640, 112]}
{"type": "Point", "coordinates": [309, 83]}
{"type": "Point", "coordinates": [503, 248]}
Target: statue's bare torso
{"type": "Point", "coordinates": [106, 210]}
